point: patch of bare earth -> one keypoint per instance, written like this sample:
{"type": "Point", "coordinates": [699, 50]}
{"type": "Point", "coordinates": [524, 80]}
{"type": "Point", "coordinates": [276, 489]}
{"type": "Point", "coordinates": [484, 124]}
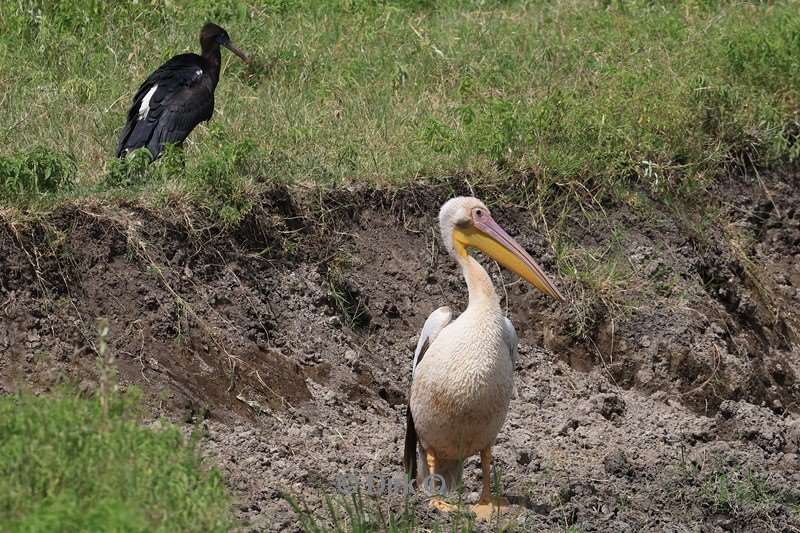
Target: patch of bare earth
{"type": "Point", "coordinates": [671, 405]}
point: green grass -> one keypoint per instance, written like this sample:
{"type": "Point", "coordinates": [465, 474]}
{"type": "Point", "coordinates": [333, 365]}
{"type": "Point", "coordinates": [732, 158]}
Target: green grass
{"type": "Point", "coordinates": [592, 96]}
{"type": "Point", "coordinates": [356, 514]}
{"type": "Point", "coordinates": [743, 493]}
{"type": "Point", "coordinates": [352, 515]}
{"type": "Point", "coordinates": [36, 172]}
{"type": "Point", "coordinates": [66, 465]}
{"type": "Point", "coordinates": [734, 490]}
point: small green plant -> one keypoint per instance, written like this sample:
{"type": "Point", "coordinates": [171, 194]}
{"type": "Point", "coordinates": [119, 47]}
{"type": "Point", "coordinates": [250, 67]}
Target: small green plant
{"type": "Point", "coordinates": [106, 369]}
{"type": "Point", "coordinates": [348, 301]}
{"type": "Point", "coordinates": [497, 129]}
{"type": "Point", "coordinates": [181, 325]}
{"type": "Point", "coordinates": [138, 169]}
{"type": "Point", "coordinates": [77, 464]}
{"type": "Point", "coordinates": [129, 171]}
{"type": "Point", "coordinates": [223, 177]}
{"type": "Point", "coordinates": [438, 136]}
{"type": "Point", "coordinates": [349, 513]}
{"type": "Point", "coordinates": [74, 464]}
{"type": "Point", "coordinates": [37, 172]}
{"type": "Point", "coordinates": [738, 492]}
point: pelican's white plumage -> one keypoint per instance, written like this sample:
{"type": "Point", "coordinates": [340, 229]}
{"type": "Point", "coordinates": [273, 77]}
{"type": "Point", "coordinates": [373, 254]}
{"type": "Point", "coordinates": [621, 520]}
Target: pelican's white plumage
{"type": "Point", "coordinates": [434, 324]}
{"type": "Point", "coordinates": [462, 378]}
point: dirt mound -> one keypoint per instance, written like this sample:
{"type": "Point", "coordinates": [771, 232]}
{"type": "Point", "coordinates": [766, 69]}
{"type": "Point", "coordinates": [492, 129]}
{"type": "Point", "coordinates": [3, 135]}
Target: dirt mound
{"type": "Point", "coordinates": [664, 395]}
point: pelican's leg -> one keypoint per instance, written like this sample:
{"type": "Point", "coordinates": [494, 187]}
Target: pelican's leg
{"type": "Point", "coordinates": [436, 501]}
{"type": "Point", "coordinates": [488, 504]}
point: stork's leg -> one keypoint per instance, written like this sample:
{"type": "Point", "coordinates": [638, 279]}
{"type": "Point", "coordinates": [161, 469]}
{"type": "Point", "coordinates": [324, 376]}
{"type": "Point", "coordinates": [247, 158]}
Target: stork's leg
{"type": "Point", "coordinates": [488, 504]}
{"type": "Point", "coordinates": [436, 501]}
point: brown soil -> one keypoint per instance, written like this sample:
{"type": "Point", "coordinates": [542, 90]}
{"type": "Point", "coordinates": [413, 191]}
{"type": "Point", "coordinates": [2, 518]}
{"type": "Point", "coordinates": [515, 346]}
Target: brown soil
{"type": "Point", "coordinates": [664, 396]}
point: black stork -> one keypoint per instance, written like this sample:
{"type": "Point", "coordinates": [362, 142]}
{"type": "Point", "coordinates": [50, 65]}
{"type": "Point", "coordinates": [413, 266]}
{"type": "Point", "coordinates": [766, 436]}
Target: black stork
{"type": "Point", "coordinates": [176, 97]}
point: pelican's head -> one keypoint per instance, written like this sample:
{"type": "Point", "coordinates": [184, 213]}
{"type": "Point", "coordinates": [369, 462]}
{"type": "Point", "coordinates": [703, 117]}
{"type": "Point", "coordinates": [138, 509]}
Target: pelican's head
{"type": "Point", "coordinates": [466, 223]}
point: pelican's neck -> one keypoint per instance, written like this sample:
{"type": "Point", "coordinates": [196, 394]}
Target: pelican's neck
{"type": "Point", "coordinates": [481, 289]}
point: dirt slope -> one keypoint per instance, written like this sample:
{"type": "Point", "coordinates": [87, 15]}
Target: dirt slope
{"type": "Point", "coordinates": [665, 396]}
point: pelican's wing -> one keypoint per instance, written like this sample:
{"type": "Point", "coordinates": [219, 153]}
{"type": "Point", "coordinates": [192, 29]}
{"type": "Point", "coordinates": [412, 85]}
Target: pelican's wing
{"type": "Point", "coordinates": [511, 338]}
{"type": "Point", "coordinates": [434, 325]}
{"type": "Point", "coordinates": [512, 341]}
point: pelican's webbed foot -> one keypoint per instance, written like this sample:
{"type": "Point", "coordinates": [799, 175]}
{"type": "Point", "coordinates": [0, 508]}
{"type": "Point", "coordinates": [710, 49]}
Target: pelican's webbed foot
{"type": "Point", "coordinates": [487, 507]}
{"type": "Point", "coordinates": [439, 504]}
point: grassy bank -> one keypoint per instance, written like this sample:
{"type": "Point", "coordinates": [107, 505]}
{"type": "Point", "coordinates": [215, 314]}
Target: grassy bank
{"type": "Point", "coordinates": [592, 95]}
{"type": "Point", "coordinates": [69, 464]}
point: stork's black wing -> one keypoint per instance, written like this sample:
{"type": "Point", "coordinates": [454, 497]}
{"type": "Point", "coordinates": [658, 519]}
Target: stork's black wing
{"type": "Point", "coordinates": [169, 104]}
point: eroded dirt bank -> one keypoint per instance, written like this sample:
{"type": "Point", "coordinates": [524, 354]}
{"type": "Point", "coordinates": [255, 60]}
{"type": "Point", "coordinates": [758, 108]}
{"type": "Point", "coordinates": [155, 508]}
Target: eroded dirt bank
{"type": "Point", "coordinates": [664, 396]}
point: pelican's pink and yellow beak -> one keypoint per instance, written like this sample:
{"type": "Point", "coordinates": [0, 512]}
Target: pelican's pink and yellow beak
{"type": "Point", "coordinates": [487, 236]}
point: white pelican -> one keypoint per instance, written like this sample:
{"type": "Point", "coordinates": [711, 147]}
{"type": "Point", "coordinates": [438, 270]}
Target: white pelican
{"type": "Point", "coordinates": [462, 378]}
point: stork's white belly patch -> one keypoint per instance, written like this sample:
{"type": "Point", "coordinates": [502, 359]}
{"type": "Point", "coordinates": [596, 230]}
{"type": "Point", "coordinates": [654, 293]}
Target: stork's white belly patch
{"type": "Point", "coordinates": [144, 109]}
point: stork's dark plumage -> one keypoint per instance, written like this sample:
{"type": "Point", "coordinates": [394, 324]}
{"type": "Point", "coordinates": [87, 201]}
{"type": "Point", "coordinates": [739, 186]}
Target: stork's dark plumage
{"type": "Point", "coordinates": [176, 97]}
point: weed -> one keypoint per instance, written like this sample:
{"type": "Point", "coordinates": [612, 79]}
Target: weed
{"type": "Point", "coordinates": [36, 172]}
{"type": "Point", "coordinates": [74, 464]}
{"type": "Point", "coordinates": [217, 179]}
{"type": "Point", "coordinates": [348, 301]}
{"type": "Point", "coordinates": [106, 368]}
{"type": "Point", "coordinates": [135, 170]}
{"type": "Point", "coordinates": [181, 321]}
{"type": "Point", "coordinates": [738, 492]}
{"type": "Point", "coordinates": [601, 277]}
{"type": "Point", "coordinates": [352, 514]}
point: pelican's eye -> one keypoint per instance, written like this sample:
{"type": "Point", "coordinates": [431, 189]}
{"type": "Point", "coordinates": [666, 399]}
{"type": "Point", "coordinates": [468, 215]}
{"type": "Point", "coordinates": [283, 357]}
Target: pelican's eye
{"type": "Point", "coordinates": [479, 213]}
